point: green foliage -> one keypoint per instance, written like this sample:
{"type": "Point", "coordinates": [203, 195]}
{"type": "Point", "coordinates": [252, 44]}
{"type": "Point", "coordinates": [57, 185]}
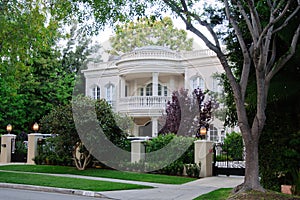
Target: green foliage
{"type": "Point", "coordinates": [193, 170]}
{"type": "Point", "coordinates": [60, 122]}
{"type": "Point", "coordinates": [36, 73]}
{"type": "Point", "coordinates": [223, 157]}
{"type": "Point", "coordinates": [233, 145]}
{"type": "Point", "coordinates": [124, 122]}
{"type": "Point", "coordinates": [279, 159]}
{"type": "Point", "coordinates": [145, 32]}
{"type": "Point", "coordinates": [176, 167]}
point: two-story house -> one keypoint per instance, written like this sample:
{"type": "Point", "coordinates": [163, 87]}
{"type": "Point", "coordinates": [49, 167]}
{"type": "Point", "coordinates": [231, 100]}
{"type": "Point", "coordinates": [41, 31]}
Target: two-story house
{"type": "Point", "coordinates": [140, 83]}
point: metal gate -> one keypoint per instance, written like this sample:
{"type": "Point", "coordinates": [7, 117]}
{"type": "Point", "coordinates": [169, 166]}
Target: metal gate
{"type": "Point", "coordinates": [228, 160]}
{"type": "Point", "coordinates": [19, 148]}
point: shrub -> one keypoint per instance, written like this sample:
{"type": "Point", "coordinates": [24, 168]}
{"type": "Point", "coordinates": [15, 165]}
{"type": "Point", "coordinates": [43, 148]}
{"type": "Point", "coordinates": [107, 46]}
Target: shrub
{"type": "Point", "coordinates": [193, 170]}
{"type": "Point", "coordinates": [60, 122]}
{"type": "Point", "coordinates": [178, 143]}
{"type": "Point", "coordinates": [233, 145]}
{"type": "Point", "coordinates": [279, 159]}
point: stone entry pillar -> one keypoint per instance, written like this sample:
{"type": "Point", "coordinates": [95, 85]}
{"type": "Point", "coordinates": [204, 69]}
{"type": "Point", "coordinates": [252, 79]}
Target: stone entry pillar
{"type": "Point", "coordinates": [7, 146]}
{"type": "Point", "coordinates": [137, 150]}
{"type": "Point", "coordinates": [204, 154]}
{"type": "Point", "coordinates": [33, 146]}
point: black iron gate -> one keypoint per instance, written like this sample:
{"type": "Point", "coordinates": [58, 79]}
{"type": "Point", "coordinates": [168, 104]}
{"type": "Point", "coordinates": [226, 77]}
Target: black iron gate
{"type": "Point", "coordinates": [19, 148]}
{"type": "Point", "coordinates": [228, 160]}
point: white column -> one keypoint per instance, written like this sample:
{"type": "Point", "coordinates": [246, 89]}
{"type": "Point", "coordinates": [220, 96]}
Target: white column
{"type": "Point", "coordinates": [155, 83]}
{"type": "Point", "coordinates": [204, 155]}
{"type": "Point", "coordinates": [122, 87]}
{"type": "Point", "coordinates": [32, 151]}
{"type": "Point", "coordinates": [135, 88]}
{"type": "Point", "coordinates": [172, 84]}
{"type": "Point", "coordinates": [186, 80]}
{"type": "Point", "coordinates": [154, 126]}
{"type": "Point", "coordinates": [6, 147]}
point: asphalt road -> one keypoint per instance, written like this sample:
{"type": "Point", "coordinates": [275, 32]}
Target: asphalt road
{"type": "Point", "coordinates": [16, 194]}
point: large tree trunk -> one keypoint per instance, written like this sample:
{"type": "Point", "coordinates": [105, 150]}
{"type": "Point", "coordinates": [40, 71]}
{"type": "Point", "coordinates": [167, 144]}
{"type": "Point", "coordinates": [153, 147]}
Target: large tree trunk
{"type": "Point", "coordinates": [251, 181]}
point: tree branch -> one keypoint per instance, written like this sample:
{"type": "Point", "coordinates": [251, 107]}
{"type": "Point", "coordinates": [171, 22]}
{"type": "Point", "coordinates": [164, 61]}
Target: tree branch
{"type": "Point", "coordinates": [273, 56]}
{"type": "Point", "coordinates": [247, 61]}
{"type": "Point", "coordinates": [254, 18]}
{"type": "Point", "coordinates": [254, 34]}
{"type": "Point", "coordinates": [283, 59]}
{"type": "Point", "coordinates": [285, 23]}
{"type": "Point", "coordinates": [273, 20]}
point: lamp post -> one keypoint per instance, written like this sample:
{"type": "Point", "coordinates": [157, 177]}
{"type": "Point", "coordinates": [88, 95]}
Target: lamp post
{"type": "Point", "coordinates": [9, 128]}
{"type": "Point", "coordinates": [203, 132]}
{"type": "Point", "coordinates": [35, 127]}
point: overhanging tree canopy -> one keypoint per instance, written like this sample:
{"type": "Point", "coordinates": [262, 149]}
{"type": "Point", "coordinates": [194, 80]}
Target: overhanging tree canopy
{"type": "Point", "coordinates": [260, 55]}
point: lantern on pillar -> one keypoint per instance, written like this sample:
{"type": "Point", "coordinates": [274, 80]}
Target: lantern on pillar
{"type": "Point", "coordinates": [203, 132]}
{"type": "Point", "coordinates": [9, 128]}
{"type": "Point", "coordinates": [35, 127]}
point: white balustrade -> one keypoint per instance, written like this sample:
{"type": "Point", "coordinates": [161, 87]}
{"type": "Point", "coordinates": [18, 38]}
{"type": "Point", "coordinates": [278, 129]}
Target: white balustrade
{"type": "Point", "coordinates": [139, 102]}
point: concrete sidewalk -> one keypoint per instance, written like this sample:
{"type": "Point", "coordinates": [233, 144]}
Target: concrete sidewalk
{"type": "Point", "coordinates": [185, 191]}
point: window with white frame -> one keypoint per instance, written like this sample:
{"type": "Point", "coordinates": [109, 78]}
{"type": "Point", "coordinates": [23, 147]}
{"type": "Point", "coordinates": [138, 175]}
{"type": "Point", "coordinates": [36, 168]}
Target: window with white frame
{"type": "Point", "coordinates": [213, 133]}
{"type": "Point", "coordinates": [141, 90]}
{"type": "Point", "coordinates": [109, 93]}
{"type": "Point", "coordinates": [197, 82]}
{"type": "Point", "coordinates": [96, 92]}
{"type": "Point", "coordinates": [148, 90]}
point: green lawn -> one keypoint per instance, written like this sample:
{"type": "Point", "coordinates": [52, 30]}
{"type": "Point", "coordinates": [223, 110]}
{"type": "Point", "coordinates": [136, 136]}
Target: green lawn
{"type": "Point", "coordinates": [65, 182]}
{"type": "Point", "coordinates": [220, 194]}
{"type": "Point", "coordinates": [154, 178]}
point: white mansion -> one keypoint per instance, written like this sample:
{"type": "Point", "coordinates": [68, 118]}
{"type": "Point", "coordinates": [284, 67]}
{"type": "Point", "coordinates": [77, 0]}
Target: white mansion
{"type": "Point", "coordinates": [140, 83]}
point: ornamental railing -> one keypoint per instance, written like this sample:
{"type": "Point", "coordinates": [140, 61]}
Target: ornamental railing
{"type": "Point", "coordinates": [140, 102]}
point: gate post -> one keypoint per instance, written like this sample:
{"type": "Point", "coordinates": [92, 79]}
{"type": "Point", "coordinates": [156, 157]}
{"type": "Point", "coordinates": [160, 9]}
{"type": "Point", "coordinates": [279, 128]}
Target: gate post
{"type": "Point", "coordinates": [32, 151]}
{"type": "Point", "coordinates": [137, 150]}
{"type": "Point", "coordinates": [204, 155]}
{"type": "Point", "coordinates": [7, 147]}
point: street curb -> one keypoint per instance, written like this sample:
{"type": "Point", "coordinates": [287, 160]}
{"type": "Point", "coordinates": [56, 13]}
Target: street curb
{"type": "Point", "coordinates": [54, 190]}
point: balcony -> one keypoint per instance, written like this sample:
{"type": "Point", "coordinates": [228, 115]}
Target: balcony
{"type": "Point", "coordinates": [141, 105]}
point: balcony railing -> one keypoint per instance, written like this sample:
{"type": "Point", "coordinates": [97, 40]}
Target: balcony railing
{"type": "Point", "coordinates": [139, 102]}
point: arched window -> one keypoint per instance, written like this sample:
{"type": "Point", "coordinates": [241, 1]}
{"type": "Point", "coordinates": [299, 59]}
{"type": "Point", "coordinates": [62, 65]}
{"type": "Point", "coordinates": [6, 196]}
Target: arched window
{"type": "Point", "coordinates": [197, 82]}
{"type": "Point", "coordinates": [161, 90]}
{"type": "Point", "coordinates": [213, 133]}
{"type": "Point", "coordinates": [149, 89]}
{"type": "Point", "coordinates": [96, 92]}
{"type": "Point", "coordinates": [109, 93]}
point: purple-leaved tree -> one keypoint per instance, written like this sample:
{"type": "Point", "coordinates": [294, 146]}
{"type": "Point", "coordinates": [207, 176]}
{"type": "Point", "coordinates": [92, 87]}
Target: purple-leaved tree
{"type": "Point", "coordinates": [186, 114]}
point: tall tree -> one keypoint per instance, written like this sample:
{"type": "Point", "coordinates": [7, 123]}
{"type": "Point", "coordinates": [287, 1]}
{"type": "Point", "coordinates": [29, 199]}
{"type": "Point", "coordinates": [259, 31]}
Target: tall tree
{"type": "Point", "coordinates": [34, 73]}
{"type": "Point", "coordinates": [259, 56]}
{"type": "Point", "coordinates": [149, 31]}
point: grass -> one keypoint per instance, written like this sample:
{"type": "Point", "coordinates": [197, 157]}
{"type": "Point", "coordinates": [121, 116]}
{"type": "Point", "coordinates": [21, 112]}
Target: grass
{"type": "Point", "coordinates": [65, 182]}
{"type": "Point", "coordinates": [225, 193]}
{"type": "Point", "coordinates": [267, 195]}
{"type": "Point", "coordinates": [220, 194]}
{"type": "Point", "coordinates": [153, 178]}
